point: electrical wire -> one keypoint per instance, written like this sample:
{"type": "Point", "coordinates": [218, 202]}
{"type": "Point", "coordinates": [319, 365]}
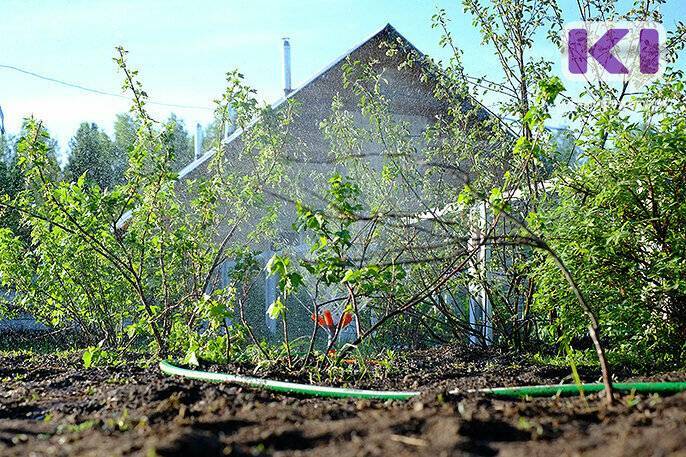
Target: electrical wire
{"type": "Point", "coordinates": [171, 105]}
{"type": "Point", "coordinates": [97, 91]}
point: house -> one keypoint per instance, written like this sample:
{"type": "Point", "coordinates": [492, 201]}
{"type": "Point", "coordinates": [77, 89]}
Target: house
{"type": "Point", "coordinates": [410, 97]}
{"type": "Point", "coordinates": [411, 101]}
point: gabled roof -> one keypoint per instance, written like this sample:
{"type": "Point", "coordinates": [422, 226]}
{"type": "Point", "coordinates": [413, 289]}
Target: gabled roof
{"type": "Point", "coordinates": [387, 29]}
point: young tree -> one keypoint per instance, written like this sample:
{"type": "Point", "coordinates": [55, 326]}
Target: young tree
{"type": "Point", "coordinates": [138, 261]}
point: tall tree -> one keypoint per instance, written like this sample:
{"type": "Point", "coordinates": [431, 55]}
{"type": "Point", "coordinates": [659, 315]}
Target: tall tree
{"type": "Point", "coordinates": [91, 153]}
{"type": "Point", "coordinates": [125, 129]}
{"type": "Point", "coordinates": [182, 143]}
{"type": "Point", "coordinates": [211, 133]}
{"type": "Point", "coordinates": [10, 180]}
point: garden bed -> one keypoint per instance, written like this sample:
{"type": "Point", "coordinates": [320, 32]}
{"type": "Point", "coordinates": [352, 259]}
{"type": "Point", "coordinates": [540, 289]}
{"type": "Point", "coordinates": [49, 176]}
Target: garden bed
{"type": "Point", "coordinates": [51, 406]}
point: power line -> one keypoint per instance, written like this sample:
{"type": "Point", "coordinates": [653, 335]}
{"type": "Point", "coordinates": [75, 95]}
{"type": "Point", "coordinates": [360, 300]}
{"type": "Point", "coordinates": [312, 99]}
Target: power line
{"type": "Point", "coordinates": [171, 105]}
{"type": "Point", "coordinates": [96, 91]}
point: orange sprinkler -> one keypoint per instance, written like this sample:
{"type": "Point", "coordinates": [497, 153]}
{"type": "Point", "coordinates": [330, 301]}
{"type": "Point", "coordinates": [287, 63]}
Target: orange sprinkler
{"type": "Point", "coordinates": [326, 321]}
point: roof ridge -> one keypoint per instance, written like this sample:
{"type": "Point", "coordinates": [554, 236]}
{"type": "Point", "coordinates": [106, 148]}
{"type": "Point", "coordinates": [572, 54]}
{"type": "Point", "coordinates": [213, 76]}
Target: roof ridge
{"type": "Point", "coordinates": [203, 158]}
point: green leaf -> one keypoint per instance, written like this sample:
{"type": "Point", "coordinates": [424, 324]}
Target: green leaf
{"type": "Point", "coordinates": [88, 356]}
{"type": "Point", "coordinates": [549, 89]}
{"type": "Point", "coordinates": [466, 196]}
{"type": "Point", "coordinates": [276, 309]}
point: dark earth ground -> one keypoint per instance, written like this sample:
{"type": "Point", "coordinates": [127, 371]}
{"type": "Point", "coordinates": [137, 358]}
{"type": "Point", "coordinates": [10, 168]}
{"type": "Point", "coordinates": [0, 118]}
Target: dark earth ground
{"type": "Point", "coordinates": [52, 407]}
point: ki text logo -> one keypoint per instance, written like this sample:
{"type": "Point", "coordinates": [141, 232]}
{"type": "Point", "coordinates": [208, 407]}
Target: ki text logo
{"type": "Point", "coordinates": [613, 51]}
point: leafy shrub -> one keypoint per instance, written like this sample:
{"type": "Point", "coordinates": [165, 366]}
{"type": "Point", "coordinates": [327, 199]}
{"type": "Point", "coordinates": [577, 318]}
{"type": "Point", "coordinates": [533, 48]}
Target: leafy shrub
{"type": "Point", "coordinates": [136, 263]}
{"type": "Point", "coordinates": [619, 222]}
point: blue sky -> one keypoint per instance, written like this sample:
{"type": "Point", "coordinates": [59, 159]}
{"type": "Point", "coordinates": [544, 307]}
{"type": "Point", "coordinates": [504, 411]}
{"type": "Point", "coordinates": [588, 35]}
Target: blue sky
{"type": "Point", "coordinates": [183, 49]}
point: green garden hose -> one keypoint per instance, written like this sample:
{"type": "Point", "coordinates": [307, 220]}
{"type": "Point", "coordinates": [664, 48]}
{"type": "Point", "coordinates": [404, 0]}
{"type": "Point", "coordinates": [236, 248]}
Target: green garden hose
{"type": "Point", "coordinates": [286, 387]}
{"type": "Point", "coordinates": [574, 389]}
{"type": "Point", "coordinates": [338, 392]}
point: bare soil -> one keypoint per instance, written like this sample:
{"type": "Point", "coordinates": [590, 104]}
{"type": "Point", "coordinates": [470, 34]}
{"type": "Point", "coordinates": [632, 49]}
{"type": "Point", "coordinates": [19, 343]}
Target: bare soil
{"type": "Point", "coordinates": [52, 407]}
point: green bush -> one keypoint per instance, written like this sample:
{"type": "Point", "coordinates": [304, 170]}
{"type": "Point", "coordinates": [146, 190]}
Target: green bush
{"type": "Point", "coordinates": [137, 263]}
{"type": "Point", "coordinates": [619, 223]}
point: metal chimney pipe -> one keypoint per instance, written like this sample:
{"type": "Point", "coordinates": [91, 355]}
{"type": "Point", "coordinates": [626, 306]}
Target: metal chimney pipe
{"type": "Point", "coordinates": [287, 89]}
{"type": "Point", "coordinates": [198, 141]}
